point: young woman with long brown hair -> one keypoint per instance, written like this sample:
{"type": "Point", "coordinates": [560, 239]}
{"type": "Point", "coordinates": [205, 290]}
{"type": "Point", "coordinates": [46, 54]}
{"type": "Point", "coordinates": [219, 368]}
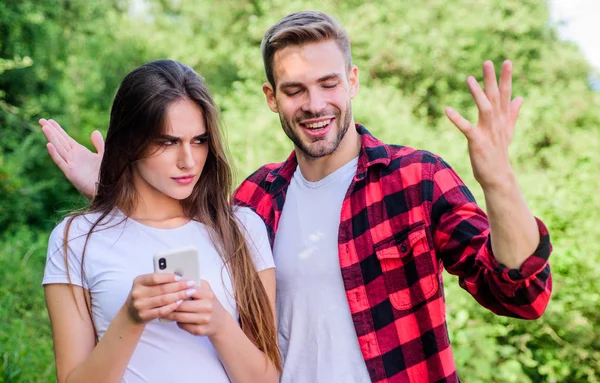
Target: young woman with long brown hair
{"type": "Point", "coordinates": [164, 182]}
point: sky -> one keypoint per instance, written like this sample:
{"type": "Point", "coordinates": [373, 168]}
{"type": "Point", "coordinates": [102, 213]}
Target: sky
{"type": "Point", "coordinates": [581, 20]}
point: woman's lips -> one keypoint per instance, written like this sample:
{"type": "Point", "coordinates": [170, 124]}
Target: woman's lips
{"type": "Point", "coordinates": [185, 180]}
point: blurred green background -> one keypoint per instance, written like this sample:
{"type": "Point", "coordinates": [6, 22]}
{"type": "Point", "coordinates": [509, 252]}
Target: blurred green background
{"type": "Point", "coordinates": [65, 59]}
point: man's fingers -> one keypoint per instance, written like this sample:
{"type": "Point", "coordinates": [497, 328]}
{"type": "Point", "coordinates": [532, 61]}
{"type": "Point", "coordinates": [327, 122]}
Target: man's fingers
{"type": "Point", "coordinates": [57, 158]}
{"type": "Point", "coordinates": [461, 123]}
{"type": "Point", "coordinates": [490, 83]}
{"type": "Point", "coordinates": [68, 140]}
{"type": "Point", "coordinates": [57, 137]}
{"type": "Point", "coordinates": [58, 144]}
{"type": "Point", "coordinates": [515, 108]}
{"type": "Point", "coordinates": [60, 136]}
{"type": "Point", "coordinates": [506, 86]}
{"type": "Point", "coordinates": [483, 104]}
{"type": "Point", "coordinates": [98, 142]}
{"type": "Point", "coordinates": [47, 130]}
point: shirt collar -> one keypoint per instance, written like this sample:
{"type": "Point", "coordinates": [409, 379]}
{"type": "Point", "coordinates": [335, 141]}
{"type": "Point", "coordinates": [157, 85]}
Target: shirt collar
{"type": "Point", "coordinates": [372, 152]}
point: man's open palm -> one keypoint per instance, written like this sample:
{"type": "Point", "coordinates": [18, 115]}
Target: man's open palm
{"type": "Point", "coordinates": [488, 141]}
{"type": "Point", "coordinates": [78, 163]}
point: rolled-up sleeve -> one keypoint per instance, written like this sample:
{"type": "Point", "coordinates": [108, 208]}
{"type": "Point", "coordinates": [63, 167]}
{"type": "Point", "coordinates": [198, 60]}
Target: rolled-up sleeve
{"type": "Point", "coordinates": [462, 241]}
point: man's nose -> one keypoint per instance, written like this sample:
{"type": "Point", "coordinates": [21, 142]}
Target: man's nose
{"type": "Point", "coordinates": [314, 103]}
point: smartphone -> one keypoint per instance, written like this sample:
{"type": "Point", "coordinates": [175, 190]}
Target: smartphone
{"type": "Point", "coordinates": [184, 262]}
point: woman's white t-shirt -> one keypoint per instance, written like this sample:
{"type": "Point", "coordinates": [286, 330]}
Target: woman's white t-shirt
{"type": "Point", "coordinates": [122, 249]}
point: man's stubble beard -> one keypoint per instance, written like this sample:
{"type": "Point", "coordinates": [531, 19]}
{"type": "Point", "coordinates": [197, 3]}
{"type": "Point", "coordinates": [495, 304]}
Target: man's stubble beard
{"type": "Point", "coordinates": [319, 152]}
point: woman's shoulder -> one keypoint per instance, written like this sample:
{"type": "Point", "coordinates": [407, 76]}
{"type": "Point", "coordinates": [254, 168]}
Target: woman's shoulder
{"type": "Point", "coordinates": [79, 225]}
{"type": "Point", "coordinates": [257, 238]}
{"type": "Point", "coordinates": [249, 219]}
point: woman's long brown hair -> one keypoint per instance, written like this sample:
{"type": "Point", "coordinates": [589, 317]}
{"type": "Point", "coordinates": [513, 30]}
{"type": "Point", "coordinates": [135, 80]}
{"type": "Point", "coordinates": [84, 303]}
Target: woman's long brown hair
{"type": "Point", "coordinates": [136, 120]}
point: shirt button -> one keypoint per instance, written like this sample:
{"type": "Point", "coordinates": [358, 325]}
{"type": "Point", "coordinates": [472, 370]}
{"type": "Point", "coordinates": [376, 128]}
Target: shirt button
{"type": "Point", "coordinates": [403, 248]}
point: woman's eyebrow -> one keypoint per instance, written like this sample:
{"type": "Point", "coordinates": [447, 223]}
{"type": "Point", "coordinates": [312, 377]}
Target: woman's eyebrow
{"type": "Point", "coordinates": [168, 137]}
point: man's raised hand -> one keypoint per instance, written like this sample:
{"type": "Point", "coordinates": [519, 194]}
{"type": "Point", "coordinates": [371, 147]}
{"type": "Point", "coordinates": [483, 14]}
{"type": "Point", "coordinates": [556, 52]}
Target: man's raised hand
{"type": "Point", "coordinates": [78, 163]}
{"type": "Point", "coordinates": [488, 141]}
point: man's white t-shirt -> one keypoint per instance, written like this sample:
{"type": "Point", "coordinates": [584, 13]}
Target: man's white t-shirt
{"type": "Point", "coordinates": [115, 255]}
{"type": "Point", "coordinates": [316, 333]}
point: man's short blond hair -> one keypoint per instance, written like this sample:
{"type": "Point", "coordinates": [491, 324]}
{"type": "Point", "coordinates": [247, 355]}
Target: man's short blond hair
{"type": "Point", "coordinates": [301, 28]}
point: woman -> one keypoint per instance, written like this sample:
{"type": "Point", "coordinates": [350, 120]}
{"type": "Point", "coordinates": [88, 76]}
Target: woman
{"type": "Point", "coordinates": [164, 183]}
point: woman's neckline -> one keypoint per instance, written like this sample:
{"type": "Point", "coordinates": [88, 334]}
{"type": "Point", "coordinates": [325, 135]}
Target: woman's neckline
{"type": "Point", "coordinates": [159, 228]}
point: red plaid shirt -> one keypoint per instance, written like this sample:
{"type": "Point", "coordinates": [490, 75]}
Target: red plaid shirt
{"type": "Point", "coordinates": [405, 217]}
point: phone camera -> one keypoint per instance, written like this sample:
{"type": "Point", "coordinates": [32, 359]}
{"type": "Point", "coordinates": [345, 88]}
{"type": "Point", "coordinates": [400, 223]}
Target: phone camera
{"type": "Point", "coordinates": [162, 263]}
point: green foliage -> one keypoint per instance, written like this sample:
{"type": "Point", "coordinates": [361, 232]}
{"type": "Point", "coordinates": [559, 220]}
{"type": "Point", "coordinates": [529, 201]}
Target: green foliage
{"type": "Point", "coordinates": [65, 59]}
{"type": "Point", "coordinates": [25, 339]}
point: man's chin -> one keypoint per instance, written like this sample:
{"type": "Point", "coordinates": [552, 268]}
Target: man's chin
{"type": "Point", "coordinates": [318, 149]}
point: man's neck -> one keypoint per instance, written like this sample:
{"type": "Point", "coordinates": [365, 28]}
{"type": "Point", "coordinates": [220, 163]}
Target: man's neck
{"type": "Point", "coordinates": [315, 169]}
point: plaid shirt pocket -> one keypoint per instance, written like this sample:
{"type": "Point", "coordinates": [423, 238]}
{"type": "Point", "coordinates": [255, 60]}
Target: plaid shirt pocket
{"type": "Point", "coordinates": [408, 267]}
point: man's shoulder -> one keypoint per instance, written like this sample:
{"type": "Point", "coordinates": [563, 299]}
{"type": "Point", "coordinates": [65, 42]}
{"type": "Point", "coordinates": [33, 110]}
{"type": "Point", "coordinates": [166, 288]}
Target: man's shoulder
{"type": "Point", "coordinates": [410, 153]}
{"type": "Point", "coordinates": [420, 167]}
{"type": "Point", "coordinates": [259, 176]}
{"type": "Point", "coordinates": [378, 152]}
{"type": "Point", "coordinates": [256, 185]}
{"type": "Point", "coordinates": [405, 157]}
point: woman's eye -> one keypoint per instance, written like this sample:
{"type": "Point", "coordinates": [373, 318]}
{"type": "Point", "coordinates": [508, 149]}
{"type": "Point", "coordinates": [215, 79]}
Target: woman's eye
{"type": "Point", "coordinates": [329, 86]}
{"type": "Point", "coordinates": [200, 141]}
{"type": "Point", "coordinates": [168, 143]}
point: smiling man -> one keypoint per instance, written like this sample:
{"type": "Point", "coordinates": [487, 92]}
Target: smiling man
{"type": "Point", "coordinates": [362, 230]}
{"type": "Point", "coordinates": [314, 105]}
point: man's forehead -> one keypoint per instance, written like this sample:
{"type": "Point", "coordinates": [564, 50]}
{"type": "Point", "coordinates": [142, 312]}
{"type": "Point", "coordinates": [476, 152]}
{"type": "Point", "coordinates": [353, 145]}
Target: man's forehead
{"type": "Point", "coordinates": [308, 62]}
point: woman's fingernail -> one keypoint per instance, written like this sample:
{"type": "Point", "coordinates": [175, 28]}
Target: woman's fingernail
{"type": "Point", "coordinates": [177, 278]}
{"type": "Point", "coordinates": [190, 292]}
{"type": "Point", "coordinates": [179, 302]}
{"type": "Point", "coordinates": [191, 283]}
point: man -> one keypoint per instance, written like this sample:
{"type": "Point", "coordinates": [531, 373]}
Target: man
{"type": "Point", "coordinates": [361, 230]}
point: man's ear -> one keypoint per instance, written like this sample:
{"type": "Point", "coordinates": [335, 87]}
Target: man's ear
{"type": "Point", "coordinates": [270, 95]}
{"type": "Point", "coordinates": [353, 80]}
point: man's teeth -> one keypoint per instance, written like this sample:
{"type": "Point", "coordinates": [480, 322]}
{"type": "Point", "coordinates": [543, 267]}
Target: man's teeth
{"type": "Point", "coordinates": [317, 125]}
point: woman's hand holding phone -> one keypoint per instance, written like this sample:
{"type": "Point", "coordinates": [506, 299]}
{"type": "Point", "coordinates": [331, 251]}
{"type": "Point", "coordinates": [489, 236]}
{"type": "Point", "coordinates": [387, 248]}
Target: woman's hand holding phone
{"type": "Point", "coordinates": [203, 315]}
{"type": "Point", "coordinates": [156, 295]}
